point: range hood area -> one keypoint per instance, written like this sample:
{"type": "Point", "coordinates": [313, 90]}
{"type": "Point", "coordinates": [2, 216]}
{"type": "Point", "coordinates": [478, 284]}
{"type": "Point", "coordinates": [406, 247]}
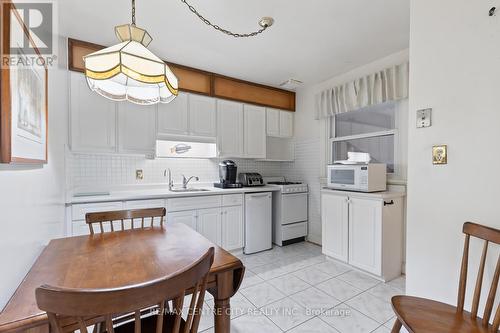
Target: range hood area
{"type": "Point", "coordinates": [185, 149]}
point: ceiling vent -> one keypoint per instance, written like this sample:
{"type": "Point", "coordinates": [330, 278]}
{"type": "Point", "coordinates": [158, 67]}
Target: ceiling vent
{"type": "Point", "coordinates": [291, 84]}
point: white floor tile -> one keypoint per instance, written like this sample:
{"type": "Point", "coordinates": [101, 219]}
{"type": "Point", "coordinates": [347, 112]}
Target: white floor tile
{"type": "Point", "coordinates": [312, 275]}
{"type": "Point", "coordinates": [289, 284]}
{"type": "Point", "coordinates": [399, 283]}
{"type": "Point", "coordinates": [269, 271]}
{"type": "Point", "coordinates": [262, 294]}
{"type": "Point", "coordinates": [315, 301]}
{"type": "Point", "coordinates": [250, 279]}
{"type": "Point", "coordinates": [252, 323]}
{"type": "Point", "coordinates": [286, 313]}
{"type": "Point", "coordinates": [359, 280]}
{"type": "Point", "coordinates": [384, 291]}
{"type": "Point", "coordinates": [347, 320]}
{"type": "Point", "coordinates": [333, 268]}
{"type": "Point", "coordinates": [314, 325]}
{"type": "Point", "coordinates": [382, 329]}
{"type": "Point", "coordinates": [339, 289]}
{"type": "Point", "coordinates": [372, 306]}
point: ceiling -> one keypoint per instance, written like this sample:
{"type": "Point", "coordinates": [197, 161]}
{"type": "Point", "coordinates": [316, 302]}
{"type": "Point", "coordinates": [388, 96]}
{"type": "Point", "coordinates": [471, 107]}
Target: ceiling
{"type": "Point", "coordinates": [310, 41]}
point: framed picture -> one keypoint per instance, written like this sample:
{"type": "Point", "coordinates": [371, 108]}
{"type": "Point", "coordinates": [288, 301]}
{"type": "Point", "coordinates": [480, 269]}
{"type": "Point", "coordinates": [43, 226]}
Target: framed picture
{"type": "Point", "coordinates": [23, 94]}
{"type": "Point", "coordinates": [440, 154]}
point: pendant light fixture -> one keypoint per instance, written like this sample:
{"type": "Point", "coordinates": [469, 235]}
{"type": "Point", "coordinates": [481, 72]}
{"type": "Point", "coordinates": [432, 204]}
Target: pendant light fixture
{"type": "Point", "coordinates": [129, 71]}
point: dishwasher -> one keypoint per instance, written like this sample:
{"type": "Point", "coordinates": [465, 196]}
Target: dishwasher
{"type": "Point", "coordinates": [258, 222]}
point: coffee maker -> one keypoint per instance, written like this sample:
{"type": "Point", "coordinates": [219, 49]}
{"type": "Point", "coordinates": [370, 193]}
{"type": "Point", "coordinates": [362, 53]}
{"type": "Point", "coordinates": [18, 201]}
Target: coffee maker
{"type": "Point", "coordinates": [227, 175]}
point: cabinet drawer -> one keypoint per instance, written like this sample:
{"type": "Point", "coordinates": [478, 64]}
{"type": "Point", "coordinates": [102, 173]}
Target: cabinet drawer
{"type": "Point", "coordinates": [142, 204]}
{"type": "Point", "coordinates": [78, 211]}
{"type": "Point", "coordinates": [296, 230]}
{"type": "Point", "coordinates": [192, 203]}
{"type": "Point", "coordinates": [232, 200]}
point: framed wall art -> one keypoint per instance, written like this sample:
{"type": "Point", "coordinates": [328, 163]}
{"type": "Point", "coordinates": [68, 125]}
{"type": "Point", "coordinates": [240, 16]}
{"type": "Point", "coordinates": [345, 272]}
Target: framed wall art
{"type": "Point", "coordinates": [23, 93]}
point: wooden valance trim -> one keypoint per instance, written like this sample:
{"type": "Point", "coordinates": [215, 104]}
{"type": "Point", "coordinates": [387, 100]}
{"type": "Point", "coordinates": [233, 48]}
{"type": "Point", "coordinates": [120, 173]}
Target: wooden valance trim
{"type": "Point", "coordinates": [201, 82]}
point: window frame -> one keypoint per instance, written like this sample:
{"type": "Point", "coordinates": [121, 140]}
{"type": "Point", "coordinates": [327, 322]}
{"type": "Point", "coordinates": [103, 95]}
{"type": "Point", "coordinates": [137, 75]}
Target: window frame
{"type": "Point", "coordinates": [398, 172]}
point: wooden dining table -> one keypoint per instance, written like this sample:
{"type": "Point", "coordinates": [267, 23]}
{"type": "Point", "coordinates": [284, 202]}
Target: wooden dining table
{"type": "Point", "coordinates": [118, 259]}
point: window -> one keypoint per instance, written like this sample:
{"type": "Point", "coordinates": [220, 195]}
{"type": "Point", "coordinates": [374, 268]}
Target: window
{"type": "Point", "coordinates": [375, 130]}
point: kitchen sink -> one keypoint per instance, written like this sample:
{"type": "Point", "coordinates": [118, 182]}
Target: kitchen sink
{"type": "Point", "coordinates": [189, 190]}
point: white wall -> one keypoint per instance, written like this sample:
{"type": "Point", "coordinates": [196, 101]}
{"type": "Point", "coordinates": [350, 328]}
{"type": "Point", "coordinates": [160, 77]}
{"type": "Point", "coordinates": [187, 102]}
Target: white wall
{"type": "Point", "coordinates": [455, 69]}
{"type": "Point", "coordinates": [311, 136]}
{"type": "Point", "coordinates": [32, 197]}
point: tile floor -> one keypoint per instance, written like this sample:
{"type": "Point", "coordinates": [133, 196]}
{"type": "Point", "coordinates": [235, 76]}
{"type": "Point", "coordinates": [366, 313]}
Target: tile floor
{"type": "Point", "coordinates": [296, 289]}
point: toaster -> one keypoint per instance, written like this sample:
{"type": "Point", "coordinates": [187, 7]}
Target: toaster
{"type": "Point", "coordinates": [250, 179]}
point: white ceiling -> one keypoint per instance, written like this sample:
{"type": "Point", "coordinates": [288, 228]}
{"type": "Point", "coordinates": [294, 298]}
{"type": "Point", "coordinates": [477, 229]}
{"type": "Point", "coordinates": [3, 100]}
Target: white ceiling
{"type": "Point", "coordinates": [310, 41]}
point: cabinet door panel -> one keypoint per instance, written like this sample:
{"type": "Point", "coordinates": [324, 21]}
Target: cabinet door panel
{"type": "Point", "coordinates": [202, 116]}
{"type": "Point", "coordinates": [255, 131]}
{"type": "Point", "coordinates": [187, 217]}
{"type": "Point", "coordinates": [335, 222]}
{"type": "Point", "coordinates": [365, 234]}
{"type": "Point", "coordinates": [230, 128]}
{"type": "Point", "coordinates": [93, 118]}
{"type": "Point", "coordinates": [137, 128]}
{"type": "Point", "coordinates": [286, 124]}
{"type": "Point", "coordinates": [173, 117]}
{"type": "Point", "coordinates": [232, 228]}
{"type": "Point", "coordinates": [209, 224]}
{"type": "Point", "coordinates": [273, 122]}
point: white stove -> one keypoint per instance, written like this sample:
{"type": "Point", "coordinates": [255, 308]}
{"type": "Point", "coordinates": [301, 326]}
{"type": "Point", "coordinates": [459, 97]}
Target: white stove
{"type": "Point", "coordinates": [290, 210]}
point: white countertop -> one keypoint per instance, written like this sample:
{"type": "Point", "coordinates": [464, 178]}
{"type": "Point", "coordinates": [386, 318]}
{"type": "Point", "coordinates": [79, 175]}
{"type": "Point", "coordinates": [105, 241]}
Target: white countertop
{"type": "Point", "coordinates": [154, 192]}
{"type": "Point", "coordinates": [375, 195]}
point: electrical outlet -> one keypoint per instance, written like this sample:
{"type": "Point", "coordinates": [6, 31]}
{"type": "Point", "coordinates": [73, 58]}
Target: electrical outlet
{"type": "Point", "coordinates": [139, 174]}
{"type": "Point", "coordinates": [424, 118]}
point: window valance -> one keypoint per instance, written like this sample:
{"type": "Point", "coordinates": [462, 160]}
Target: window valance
{"type": "Point", "coordinates": [390, 84]}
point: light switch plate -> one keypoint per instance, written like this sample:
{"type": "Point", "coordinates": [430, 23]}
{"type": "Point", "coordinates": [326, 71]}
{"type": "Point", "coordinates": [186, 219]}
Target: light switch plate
{"type": "Point", "coordinates": [139, 174]}
{"type": "Point", "coordinates": [424, 118]}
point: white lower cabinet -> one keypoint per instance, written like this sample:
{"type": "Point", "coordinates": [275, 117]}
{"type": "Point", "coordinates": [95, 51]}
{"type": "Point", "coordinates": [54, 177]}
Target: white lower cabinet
{"type": "Point", "coordinates": [209, 224]}
{"type": "Point", "coordinates": [364, 230]}
{"type": "Point", "coordinates": [218, 218]}
{"type": "Point", "coordinates": [232, 228]}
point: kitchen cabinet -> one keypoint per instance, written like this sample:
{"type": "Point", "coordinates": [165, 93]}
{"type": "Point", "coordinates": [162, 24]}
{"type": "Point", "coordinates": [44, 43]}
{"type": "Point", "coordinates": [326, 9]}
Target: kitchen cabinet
{"type": "Point", "coordinates": [173, 116]}
{"type": "Point", "coordinates": [92, 118]}
{"type": "Point", "coordinates": [209, 224]}
{"type": "Point", "coordinates": [335, 224]}
{"type": "Point", "coordinates": [364, 230]}
{"type": "Point", "coordinates": [279, 123]}
{"type": "Point", "coordinates": [230, 129]}
{"type": "Point", "coordinates": [202, 116]}
{"type": "Point", "coordinates": [136, 129]}
{"type": "Point", "coordinates": [254, 132]}
{"type": "Point", "coordinates": [232, 228]}
{"type": "Point", "coordinates": [189, 218]}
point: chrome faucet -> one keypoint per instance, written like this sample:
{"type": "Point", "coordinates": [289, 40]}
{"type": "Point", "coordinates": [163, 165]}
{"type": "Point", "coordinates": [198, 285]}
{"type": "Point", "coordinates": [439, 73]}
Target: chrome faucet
{"type": "Point", "coordinates": [185, 181]}
{"type": "Point", "coordinates": [170, 181]}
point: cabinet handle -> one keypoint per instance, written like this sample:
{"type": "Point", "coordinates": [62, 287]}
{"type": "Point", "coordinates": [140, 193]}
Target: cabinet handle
{"type": "Point", "coordinates": [389, 203]}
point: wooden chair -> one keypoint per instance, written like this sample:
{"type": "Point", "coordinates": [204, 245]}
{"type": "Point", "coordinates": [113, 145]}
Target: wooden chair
{"type": "Point", "coordinates": [420, 315]}
{"type": "Point", "coordinates": [123, 215]}
{"type": "Point", "coordinates": [72, 309]}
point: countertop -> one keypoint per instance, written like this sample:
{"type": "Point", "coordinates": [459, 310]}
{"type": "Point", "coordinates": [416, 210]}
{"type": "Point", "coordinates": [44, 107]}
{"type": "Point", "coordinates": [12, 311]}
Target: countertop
{"type": "Point", "coordinates": [155, 192]}
{"type": "Point", "coordinates": [375, 195]}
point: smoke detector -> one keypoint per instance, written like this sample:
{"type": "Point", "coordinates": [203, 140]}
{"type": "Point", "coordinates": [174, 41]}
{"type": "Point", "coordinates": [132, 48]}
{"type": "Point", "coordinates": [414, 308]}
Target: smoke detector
{"type": "Point", "coordinates": [291, 84]}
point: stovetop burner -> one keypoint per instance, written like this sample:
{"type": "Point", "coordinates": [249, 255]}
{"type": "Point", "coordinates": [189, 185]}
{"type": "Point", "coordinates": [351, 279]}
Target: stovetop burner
{"type": "Point", "coordinates": [284, 183]}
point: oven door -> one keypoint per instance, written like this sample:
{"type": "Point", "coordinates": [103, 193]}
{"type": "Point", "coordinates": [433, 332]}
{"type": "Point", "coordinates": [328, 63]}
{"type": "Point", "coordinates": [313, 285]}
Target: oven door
{"type": "Point", "coordinates": [343, 177]}
{"type": "Point", "coordinates": [294, 208]}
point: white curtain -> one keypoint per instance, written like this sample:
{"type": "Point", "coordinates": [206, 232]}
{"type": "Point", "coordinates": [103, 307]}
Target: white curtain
{"type": "Point", "coordinates": [390, 84]}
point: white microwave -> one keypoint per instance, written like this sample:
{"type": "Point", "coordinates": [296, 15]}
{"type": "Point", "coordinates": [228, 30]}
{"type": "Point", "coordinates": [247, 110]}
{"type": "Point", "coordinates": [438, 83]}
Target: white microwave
{"type": "Point", "coordinates": [358, 177]}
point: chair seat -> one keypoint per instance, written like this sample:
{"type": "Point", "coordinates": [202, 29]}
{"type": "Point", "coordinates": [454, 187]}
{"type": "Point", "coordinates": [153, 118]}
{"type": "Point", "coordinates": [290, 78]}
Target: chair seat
{"type": "Point", "coordinates": [148, 325]}
{"type": "Point", "coordinates": [426, 316]}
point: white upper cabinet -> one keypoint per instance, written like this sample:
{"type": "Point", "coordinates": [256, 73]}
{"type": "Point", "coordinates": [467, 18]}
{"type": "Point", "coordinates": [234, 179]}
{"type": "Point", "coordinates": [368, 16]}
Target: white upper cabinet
{"type": "Point", "coordinates": [286, 124]}
{"type": "Point", "coordinates": [188, 114]}
{"type": "Point", "coordinates": [202, 116]}
{"type": "Point", "coordinates": [230, 128]}
{"type": "Point", "coordinates": [136, 128]}
{"type": "Point", "coordinates": [279, 123]}
{"type": "Point", "coordinates": [273, 122]}
{"type": "Point", "coordinates": [254, 132]}
{"type": "Point", "coordinates": [173, 117]}
{"type": "Point", "coordinates": [92, 118]}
